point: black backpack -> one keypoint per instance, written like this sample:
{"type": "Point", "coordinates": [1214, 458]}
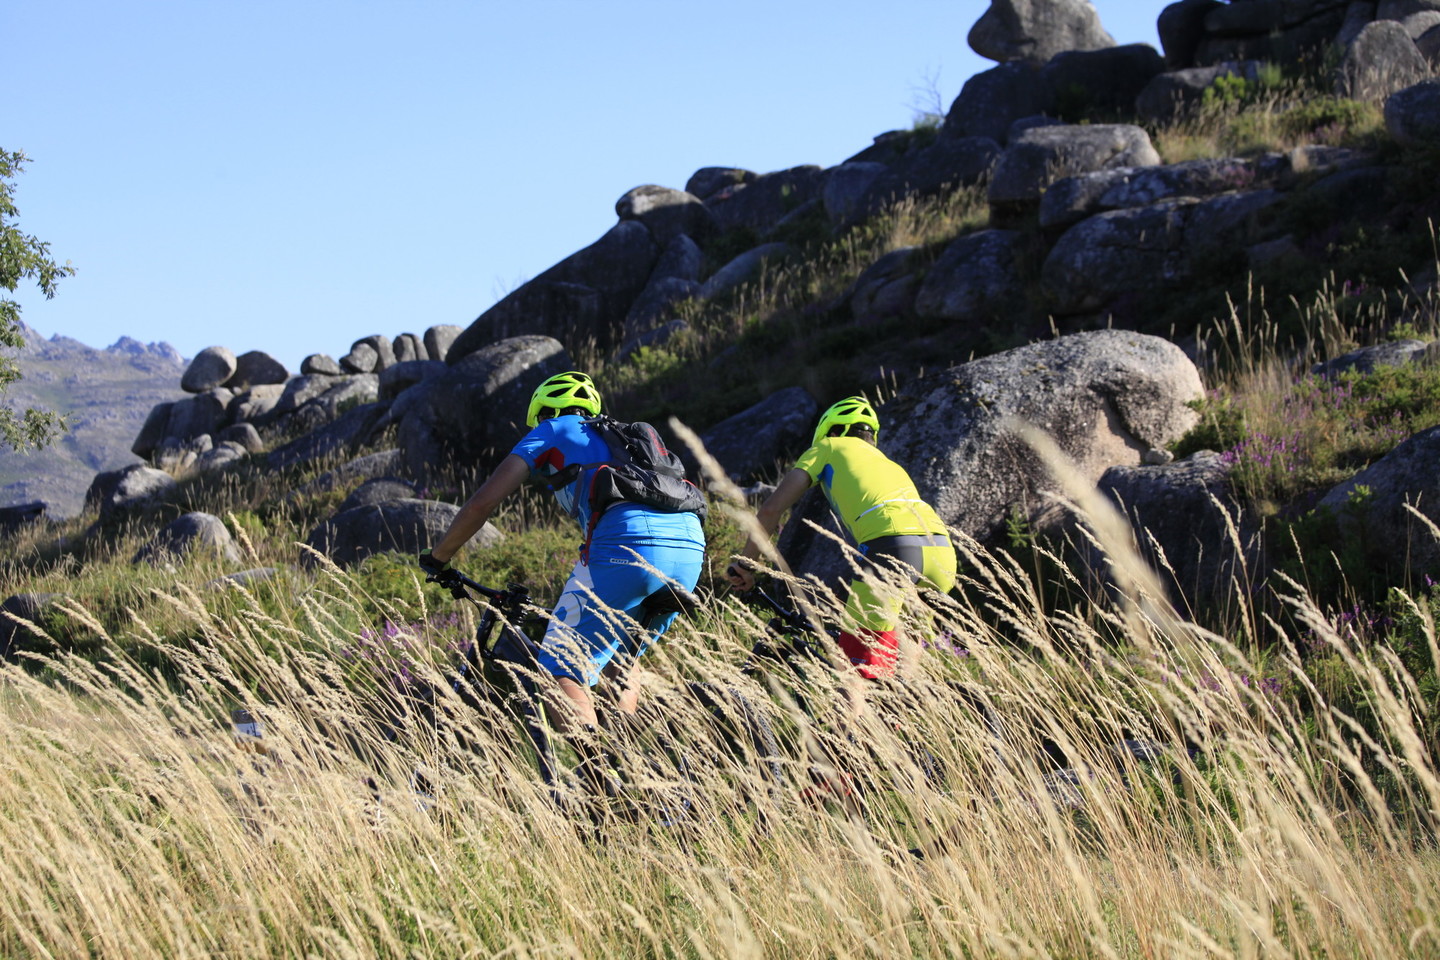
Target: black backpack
{"type": "Point", "coordinates": [641, 469]}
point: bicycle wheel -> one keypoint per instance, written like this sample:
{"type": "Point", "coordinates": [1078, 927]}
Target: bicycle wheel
{"type": "Point", "coordinates": [743, 728]}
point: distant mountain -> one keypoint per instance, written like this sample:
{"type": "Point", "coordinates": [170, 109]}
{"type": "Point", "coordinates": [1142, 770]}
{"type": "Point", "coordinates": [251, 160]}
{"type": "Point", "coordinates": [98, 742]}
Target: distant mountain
{"type": "Point", "coordinates": [107, 394]}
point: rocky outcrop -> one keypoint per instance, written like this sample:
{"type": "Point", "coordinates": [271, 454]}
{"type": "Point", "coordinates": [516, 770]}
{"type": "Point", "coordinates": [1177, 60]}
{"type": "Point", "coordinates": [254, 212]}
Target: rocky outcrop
{"type": "Point", "coordinates": [406, 526]}
{"type": "Point", "coordinates": [187, 534]}
{"type": "Point", "coordinates": [1042, 155]}
{"type": "Point", "coordinates": [886, 289]}
{"type": "Point", "coordinates": [1171, 95]}
{"type": "Point", "coordinates": [1381, 46]}
{"type": "Point", "coordinates": [582, 299]}
{"type": "Point", "coordinates": [1381, 60]}
{"type": "Point", "coordinates": [371, 466]}
{"type": "Point", "coordinates": [948, 164]}
{"type": "Point", "coordinates": [211, 368]}
{"type": "Point", "coordinates": [1107, 398]}
{"type": "Point", "coordinates": [223, 454]}
{"type": "Point", "coordinates": [1412, 115]}
{"type": "Point", "coordinates": [1374, 507]}
{"type": "Point", "coordinates": [406, 374]}
{"type": "Point", "coordinates": [243, 434]}
{"type": "Point", "coordinates": [760, 202]}
{"type": "Point", "coordinates": [371, 354]}
{"type": "Point", "coordinates": [976, 279]}
{"type": "Point", "coordinates": [474, 411]}
{"type": "Point", "coordinates": [1072, 199]}
{"type": "Point", "coordinates": [1395, 353]}
{"type": "Point", "coordinates": [676, 278]}
{"type": "Point", "coordinates": [743, 269]}
{"type": "Point", "coordinates": [152, 431]}
{"type": "Point", "coordinates": [254, 405]}
{"type": "Point", "coordinates": [313, 401]}
{"type": "Point", "coordinates": [1102, 81]}
{"type": "Point", "coordinates": [377, 491]}
{"type": "Point", "coordinates": [1036, 30]}
{"type": "Point", "coordinates": [409, 349]}
{"type": "Point", "coordinates": [991, 101]}
{"type": "Point", "coordinates": [439, 339]}
{"type": "Point", "coordinates": [655, 305]}
{"type": "Point", "coordinates": [708, 181]}
{"type": "Point", "coordinates": [1281, 32]}
{"type": "Point", "coordinates": [667, 213]}
{"type": "Point", "coordinates": [320, 364]}
{"type": "Point", "coordinates": [754, 443]}
{"type": "Point", "coordinates": [330, 439]}
{"type": "Point", "coordinates": [255, 368]}
{"type": "Point", "coordinates": [845, 186]}
{"type": "Point", "coordinates": [1181, 27]}
{"type": "Point", "coordinates": [196, 416]}
{"type": "Point", "coordinates": [1105, 256]}
{"type": "Point", "coordinates": [1187, 528]}
{"type": "Point", "coordinates": [132, 489]}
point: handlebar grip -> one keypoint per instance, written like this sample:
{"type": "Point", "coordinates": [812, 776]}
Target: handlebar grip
{"type": "Point", "coordinates": [448, 579]}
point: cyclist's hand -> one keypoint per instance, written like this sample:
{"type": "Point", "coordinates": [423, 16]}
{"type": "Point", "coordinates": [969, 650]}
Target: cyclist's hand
{"type": "Point", "coordinates": [436, 570]}
{"type": "Point", "coordinates": [740, 577]}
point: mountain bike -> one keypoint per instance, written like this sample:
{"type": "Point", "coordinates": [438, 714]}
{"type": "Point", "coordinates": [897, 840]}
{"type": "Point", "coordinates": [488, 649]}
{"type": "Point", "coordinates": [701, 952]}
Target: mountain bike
{"type": "Point", "coordinates": [656, 752]}
{"type": "Point", "coordinates": [930, 737]}
{"type": "Point", "coordinates": [801, 645]}
{"type": "Point", "coordinates": [798, 641]}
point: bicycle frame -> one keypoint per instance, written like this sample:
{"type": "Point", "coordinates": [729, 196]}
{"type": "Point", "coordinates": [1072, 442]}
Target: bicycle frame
{"type": "Point", "coordinates": [502, 652]}
{"type": "Point", "coordinates": [795, 628]}
{"type": "Point", "coordinates": [511, 653]}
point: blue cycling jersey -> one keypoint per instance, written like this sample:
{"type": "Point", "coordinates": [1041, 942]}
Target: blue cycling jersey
{"type": "Point", "coordinates": [633, 551]}
{"type": "Point", "coordinates": [559, 442]}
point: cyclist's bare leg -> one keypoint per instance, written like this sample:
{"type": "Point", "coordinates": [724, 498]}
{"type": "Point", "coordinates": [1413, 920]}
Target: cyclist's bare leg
{"type": "Point", "coordinates": [575, 708]}
{"type": "Point", "coordinates": [621, 677]}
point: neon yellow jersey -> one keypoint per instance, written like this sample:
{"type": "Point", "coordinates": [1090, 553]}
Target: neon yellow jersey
{"type": "Point", "coordinates": [872, 494]}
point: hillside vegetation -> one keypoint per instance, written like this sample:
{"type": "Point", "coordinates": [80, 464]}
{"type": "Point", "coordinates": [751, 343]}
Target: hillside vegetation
{"type": "Point", "coordinates": [1125, 779]}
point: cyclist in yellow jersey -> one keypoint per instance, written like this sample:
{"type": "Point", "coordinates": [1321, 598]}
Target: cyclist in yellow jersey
{"type": "Point", "coordinates": [878, 503]}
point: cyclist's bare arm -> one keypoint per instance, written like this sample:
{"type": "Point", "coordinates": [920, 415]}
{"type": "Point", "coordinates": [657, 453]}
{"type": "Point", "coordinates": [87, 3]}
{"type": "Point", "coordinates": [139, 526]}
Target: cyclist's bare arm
{"type": "Point", "coordinates": [506, 479]}
{"type": "Point", "coordinates": [792, 487]}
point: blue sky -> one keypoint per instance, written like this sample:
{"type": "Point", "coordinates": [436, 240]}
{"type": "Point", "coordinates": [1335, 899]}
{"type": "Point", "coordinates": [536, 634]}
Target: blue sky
{"type": "Point", "coordinates": [292, 176]}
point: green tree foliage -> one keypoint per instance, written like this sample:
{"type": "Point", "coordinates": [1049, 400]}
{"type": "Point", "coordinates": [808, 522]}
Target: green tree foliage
{"type": "Point", "coordinates": [21, 257]}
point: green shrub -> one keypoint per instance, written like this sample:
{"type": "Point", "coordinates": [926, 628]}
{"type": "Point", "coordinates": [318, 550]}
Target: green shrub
{"type": "Point", "coordinates": [1228, 90]}
{"type": "Point", "coordinates": [1333, 121]}
{"type": "Point", "coordinates": [1221, 426]}
{"type": "Point", "coordinates": [1329, 553]}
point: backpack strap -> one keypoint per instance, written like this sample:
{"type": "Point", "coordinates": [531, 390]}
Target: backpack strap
{"type": "Point", "coordinates": [603, 425]}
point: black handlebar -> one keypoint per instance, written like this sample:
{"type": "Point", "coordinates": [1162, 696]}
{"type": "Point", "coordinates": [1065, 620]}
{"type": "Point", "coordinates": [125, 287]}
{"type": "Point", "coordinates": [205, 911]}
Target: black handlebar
{"type": "Point", "coordinates": [795, 633]}
{"type": "Point", "coordinates": [511, 603]}
{"type": "Point", "coordinates": [787, 620]}
{"type": "Point", "coordinates": [461, 586]}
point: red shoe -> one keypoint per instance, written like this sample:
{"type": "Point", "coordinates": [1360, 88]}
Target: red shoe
{"type": "Point", "coordinates": [826, 788]}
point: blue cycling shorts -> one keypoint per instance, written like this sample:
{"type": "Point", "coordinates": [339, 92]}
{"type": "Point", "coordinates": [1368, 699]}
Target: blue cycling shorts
{"type": "Point", "coordinates": [596, 617]}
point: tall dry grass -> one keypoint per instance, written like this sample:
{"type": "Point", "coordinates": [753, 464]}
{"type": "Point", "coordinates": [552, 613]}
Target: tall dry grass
{"type": "Point", "coordinates": [136, 825]}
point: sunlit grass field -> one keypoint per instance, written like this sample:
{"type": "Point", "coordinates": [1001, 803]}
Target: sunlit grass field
{"type": "Point", "coordinates": [1265, 822]}
{"type": "Point", "coordinates": [1070, 768]}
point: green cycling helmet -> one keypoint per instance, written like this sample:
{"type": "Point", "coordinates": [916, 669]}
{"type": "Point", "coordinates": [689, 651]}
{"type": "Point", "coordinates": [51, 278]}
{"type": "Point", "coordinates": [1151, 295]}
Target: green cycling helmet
{"type": "Point", "coordinates": [849, 412]}
{"type": "Point", "coordinates": [561, 392]}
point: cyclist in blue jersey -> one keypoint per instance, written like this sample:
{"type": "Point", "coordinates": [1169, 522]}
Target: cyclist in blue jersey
{"type": "Point", "coordinates": [631, 551]}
